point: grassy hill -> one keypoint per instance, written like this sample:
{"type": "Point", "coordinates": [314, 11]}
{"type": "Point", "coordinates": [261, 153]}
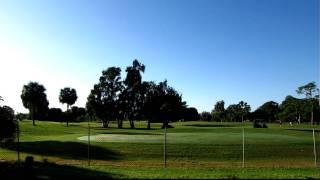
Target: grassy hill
{"type": "Point", "coordinates": [194, 149]}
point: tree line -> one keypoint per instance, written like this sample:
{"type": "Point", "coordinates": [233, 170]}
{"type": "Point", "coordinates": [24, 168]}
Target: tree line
{"type": "Point", "coordinates": [34, 98]}
{"type": "Point", "coordinates": [130, 99]}
{"type": "Point", "coordinates": [291, 109]}
{"type": "Point", "coordinates": [113, 99]}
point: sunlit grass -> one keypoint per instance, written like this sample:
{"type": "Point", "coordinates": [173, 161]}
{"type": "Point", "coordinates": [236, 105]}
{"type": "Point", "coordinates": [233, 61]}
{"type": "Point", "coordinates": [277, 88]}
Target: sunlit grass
{"type": "Point", "coordinates": [200, 146]}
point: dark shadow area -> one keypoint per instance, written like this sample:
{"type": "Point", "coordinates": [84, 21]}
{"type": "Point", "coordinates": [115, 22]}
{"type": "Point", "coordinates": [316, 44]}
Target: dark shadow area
{"type": "Point", "coordinates": [46, 170]}
{"type": "Point", "coordinates": [130, 133]}
{"type": "Point", "coordinates": [127, 128]}
{"type": "Point", "coordinates": [210, 125]}
{"type": "Point", "coordinates": [304, 130]}
{"type": "Point", "coordinates": [66, 150]}
{"type": "Point", "coordinates": [147, 129]}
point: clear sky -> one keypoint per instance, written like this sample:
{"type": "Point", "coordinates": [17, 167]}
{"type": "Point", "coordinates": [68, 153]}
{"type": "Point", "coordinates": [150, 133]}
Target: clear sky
{"type": "Point", "coordinates": [209, 50]}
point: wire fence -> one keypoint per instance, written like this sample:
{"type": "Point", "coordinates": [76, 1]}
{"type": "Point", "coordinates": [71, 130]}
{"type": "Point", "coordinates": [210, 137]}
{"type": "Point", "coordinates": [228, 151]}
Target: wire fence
{"type": "Point", "coordinates": [189, 145]}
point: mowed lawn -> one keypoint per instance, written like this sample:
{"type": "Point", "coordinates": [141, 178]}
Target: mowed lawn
{"type": "Point", "coordinates": [194, 149]}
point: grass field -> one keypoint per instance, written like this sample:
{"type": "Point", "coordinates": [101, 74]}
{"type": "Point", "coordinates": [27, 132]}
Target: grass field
{"type": "Point", "coordinates": [194, 150]}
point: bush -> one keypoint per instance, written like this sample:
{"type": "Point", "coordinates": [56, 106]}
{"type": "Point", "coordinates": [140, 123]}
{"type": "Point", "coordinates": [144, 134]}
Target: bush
{"type": "Point", "coordinates": [55, 114]}
{"type": "Point", "coordinates": [259, 123]}
{"type": "Point", "coordinates": [77, 114]}
{"type": "Point", "coordinates": [22, 116]}
{"type": "Point", "coordinates": [8, 124]}
{"type": "Point", "coordinates": [206, 116]}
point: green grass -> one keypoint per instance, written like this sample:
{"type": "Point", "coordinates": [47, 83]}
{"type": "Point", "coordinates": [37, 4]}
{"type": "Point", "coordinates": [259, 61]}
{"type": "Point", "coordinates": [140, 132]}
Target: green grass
{"type": "Point", "coordinates": [194, 149]}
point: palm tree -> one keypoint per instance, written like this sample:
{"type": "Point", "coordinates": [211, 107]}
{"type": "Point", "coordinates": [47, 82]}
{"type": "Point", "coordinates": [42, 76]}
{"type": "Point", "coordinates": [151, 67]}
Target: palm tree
{"type": "Point", "coordinates": [34, 98]}
{"type": "Point", "coordinates": [132, 93]}
{"type": "Point", "coordinates": [68, 96]}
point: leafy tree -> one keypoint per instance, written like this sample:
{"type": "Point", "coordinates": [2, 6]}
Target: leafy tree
{"type": "Point", "coordinates": [34, 98]}
{"type": "Point", "coordinates": [291, 109]}
{"type": "Point", "coordinates": [8, 125]}
{"type": "Point", "coordinates": [22, 116]}
{"type": "Point", "coordinates": [309, 90]}
{"type": "Point", "coordinates": [298, 110]}
{"type": "Point", "coordinates": [163, 104]}
{"type": "Point", "coordinates": [191, 114]}
{"type": "Point", "coordinates": [77, 114]}
{"type": "Point", "coordinates": [103, 99]}
{"type": "Point", "coordinates": [233, 112]}
{"type": "Point", "coordinates": [55, 114]}
{"type": "Point", "coordinates": [151, 100]}
{"type": "Point", "coordinates": [244, 109]}
{"type": "Point", "coordinates": [68, 96]}
{"type": "Point", "coordinates": [122, 108]}
{"type": "Point", "coordinates": [206, 116]}
{"type": "Point", "coordinates": [172, 106]}
{"type": "Point", "coordinates": [132, 94]}
{"type": "Point", "coordinates": [267, 111]}
{"type": "Point", "coordinates": [218, 112]}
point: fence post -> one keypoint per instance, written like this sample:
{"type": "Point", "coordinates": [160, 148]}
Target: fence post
{"type": "Point", "coordinates": [164, 149]}
{"type": "Point", "coordinates": [242, 141]}
{"type": "Point", "coordinates": [243, 147]}
{"type": "Point", "coordinates": [18, 141]}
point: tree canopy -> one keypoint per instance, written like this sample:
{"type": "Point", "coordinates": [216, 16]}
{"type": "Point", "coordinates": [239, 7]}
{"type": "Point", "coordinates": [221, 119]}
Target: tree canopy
{"type": "Point", "coordinates": [218, 112]}
{"type": "Point", "coordinates": [68, 96]}
{"type": "Point", "coordinates": [163, 104]}
{"type": "Point", "coordinates": [103, 99]}
{"type": "Point", "coordinates": [133, 92]}
{"type": "Point", "coordinates": [8, 125]}
{"type": "Point", "coordinates": [309, 90]}
{"type": "Point", "coordinates": [268, 111]}
{"type": "Point", "coordinates": [34, 98]}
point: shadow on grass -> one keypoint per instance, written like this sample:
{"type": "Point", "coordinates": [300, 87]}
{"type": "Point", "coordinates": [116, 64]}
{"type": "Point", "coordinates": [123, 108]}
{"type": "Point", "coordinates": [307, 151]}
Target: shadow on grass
{"type": "Point", "coordinates": [45, 170]}
{"type": "Point", "coordinates": [66, 150]}
{"type": "Point", "coordinates": [304, 130]}
{"type": "Point", "coordinates": [126, 128]}
{"type": "Point", "coordinates": [130, 133]}
{"type": "Point", "coordinates": [209, 125]}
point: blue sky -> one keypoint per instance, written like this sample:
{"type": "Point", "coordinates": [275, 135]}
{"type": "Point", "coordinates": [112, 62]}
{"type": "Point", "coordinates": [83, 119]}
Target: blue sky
{"type": "Point", "coordinates": [209, 50]}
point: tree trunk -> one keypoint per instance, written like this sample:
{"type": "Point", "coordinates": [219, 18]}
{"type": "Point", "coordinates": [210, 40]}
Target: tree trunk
{"type": "Point", "coordinates": [131, 124]}
{"type": "Point", "coordinates": [120, 123]}
{"type": "Point", "coordinates": [32, 115]}
{"type": "Point", "coordinates": [149, 124]}
{"type": "Point", "coordinates": [105, 123]}
{"type": "Point", "coordinates": [312, 117]}
{"type": "Point", "coordinates": [165, 124]}
{"type": "Point", "coordinates": [297, 115]}
{"type": "Point", "coordinates": [67, 116]}
{"type": "Point", "coordinates": [311, 113]}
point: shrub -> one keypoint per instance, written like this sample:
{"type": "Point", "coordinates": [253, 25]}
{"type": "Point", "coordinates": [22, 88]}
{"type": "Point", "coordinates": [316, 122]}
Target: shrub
{"type": "Point", "coordinates": [259, 123]}
{"type": "Point", "coordinates": [8, 124]}
{"type": "Point", "coordinates": [22, 116]}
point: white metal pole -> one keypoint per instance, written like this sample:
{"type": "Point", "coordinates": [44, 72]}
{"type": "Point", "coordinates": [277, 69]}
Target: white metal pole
{"type": "Point", "coordinates": [243, 147]}
{"type": "Point", "coordinates": [314, 149]}
{"type": "Point", "coordinates": [164, 149]}
{"type": "Point", "coordinates": [18, 138]}
{"type": "Point", "coordinates": [89, 143]}
{"type": "Point", "coordinates": [242, 143]}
